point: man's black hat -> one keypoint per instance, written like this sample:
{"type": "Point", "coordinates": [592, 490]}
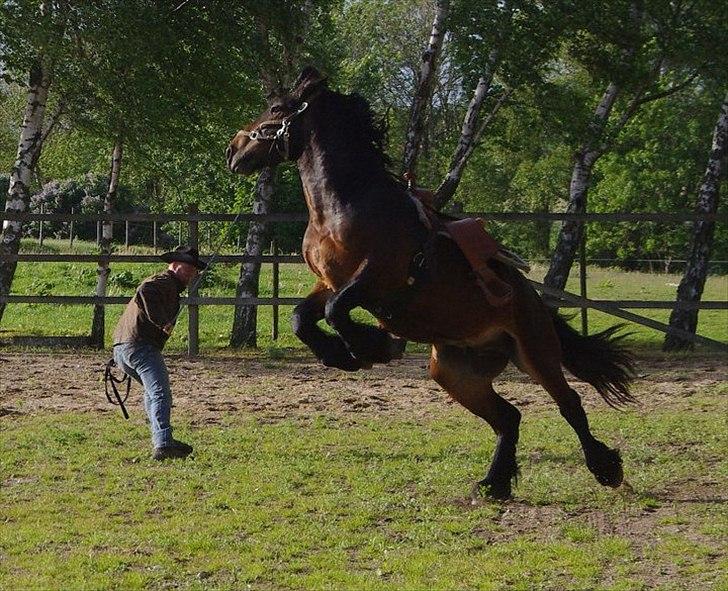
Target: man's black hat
{"type": "Point", "coordinates": [184, 254]}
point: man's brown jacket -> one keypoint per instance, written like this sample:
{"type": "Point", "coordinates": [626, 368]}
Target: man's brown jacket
{"type": "Point", "coordinates": [154, 306]}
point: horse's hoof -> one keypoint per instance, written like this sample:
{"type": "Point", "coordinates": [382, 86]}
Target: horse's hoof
{"type": "Point", "coordinates": [347, 363]}
{"type": "Point", "coordinates": [396, 347]}
{"type": "Point", "coordinates": [607, 468]}
{"type": "Point", "coordinates": [500, 491]}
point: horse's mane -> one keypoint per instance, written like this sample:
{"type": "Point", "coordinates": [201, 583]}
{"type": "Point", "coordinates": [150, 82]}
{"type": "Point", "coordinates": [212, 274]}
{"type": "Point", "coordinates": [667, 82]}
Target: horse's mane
{"type": "Point", "coordinates": [353, 126]}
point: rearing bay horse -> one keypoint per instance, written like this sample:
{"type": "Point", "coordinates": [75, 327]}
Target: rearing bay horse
{"type": "Point", "coordinates": [371, 245]}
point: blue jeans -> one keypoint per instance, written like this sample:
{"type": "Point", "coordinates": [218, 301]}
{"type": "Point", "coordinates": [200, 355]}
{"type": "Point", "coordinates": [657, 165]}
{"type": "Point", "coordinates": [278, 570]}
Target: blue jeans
{"type": "Point", "coordinates": [144, 363]}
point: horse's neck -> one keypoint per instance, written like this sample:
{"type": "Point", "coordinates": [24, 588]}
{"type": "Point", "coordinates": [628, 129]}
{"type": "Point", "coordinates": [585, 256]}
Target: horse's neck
{"type": "Point", "coordinates": [335, 183]}
{"type": "Point", "coordinates": [329, 183]}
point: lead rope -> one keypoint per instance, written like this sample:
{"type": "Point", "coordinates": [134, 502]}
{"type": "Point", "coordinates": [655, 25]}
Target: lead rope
{"type": "Point", "coordinates": [282, 133]}
{"type": "Point", "coordinates": [111, 380]}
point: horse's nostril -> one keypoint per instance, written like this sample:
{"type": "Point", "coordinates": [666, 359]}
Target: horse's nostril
{"type": "Point", "coordinates": [228, 153]}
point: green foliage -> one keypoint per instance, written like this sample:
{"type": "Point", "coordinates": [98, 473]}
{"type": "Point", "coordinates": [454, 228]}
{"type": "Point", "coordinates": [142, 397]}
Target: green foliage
{"type": "Point", "coordinates": [176, 85]}
{"type": "Point", "coordinates": [657, 166]}
{"type": "Point", "coordinates": [123, 279]}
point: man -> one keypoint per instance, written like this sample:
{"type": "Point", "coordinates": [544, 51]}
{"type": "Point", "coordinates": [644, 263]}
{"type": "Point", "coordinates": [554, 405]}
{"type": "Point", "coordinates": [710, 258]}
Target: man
{"type": "Point", "coordinates": [140, 336]}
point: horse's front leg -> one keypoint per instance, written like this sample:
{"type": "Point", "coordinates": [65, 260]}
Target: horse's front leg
{"type": "Point", "coordinates": [328, 348]}
{"type": "Point", "coordinates": [367, 343]}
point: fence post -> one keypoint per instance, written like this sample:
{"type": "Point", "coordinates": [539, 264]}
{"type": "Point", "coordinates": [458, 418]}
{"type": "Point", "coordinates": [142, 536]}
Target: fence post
{"type": "Point", "coordinates": [40, 231]}
{"type": "Point", "coordinates": [126, 234]}
{"type": "Point", "coordinates": [179, 233]}
{"type": "Point", "coordinates": [98, 233]}
{"type": "Point", "coordinates": [274, 251]}
{"type": "Point", "coordinates": [193, 343]}
{"type": "Point", "coordinates": [70, 233]}
{"type": "Point", "coordinates": [154, 231]}
{"type": "Point", "coordinates": [582, 280]}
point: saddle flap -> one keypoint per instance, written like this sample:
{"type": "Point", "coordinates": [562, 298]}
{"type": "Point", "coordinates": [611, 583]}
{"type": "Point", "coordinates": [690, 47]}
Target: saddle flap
{"type": "Point", "coordinates": [479, 247]}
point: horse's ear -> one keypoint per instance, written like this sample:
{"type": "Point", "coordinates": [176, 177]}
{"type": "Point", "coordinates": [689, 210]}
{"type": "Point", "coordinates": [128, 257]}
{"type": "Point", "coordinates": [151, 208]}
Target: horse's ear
{"type": "Point", "coordinates": [309, 82]}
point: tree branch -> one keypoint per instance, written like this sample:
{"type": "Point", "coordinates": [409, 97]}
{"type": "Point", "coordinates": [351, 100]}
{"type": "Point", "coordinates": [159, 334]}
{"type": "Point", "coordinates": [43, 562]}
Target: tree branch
{"type": "Point", "coordinates": [667, 92]}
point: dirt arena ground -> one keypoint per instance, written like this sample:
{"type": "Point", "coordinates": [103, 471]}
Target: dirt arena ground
{"type": "Point", "coordinates": [206, 387]}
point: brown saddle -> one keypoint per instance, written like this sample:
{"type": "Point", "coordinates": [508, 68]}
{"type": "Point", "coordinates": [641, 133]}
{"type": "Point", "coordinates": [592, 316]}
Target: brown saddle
{"type": "Point", "coordinates": [479, 247]}
{"type": "Point", "coordinates": [476, 244]}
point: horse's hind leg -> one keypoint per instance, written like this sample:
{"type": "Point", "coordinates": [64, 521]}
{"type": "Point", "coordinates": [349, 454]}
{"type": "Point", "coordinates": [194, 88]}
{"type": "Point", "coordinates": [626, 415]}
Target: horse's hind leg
{"type": "Point", "coordinates": [539, 355]}
{"type": "Point", "coordinates": [469, 380]}
{"type": "Point", "coordinates": [329, 349]}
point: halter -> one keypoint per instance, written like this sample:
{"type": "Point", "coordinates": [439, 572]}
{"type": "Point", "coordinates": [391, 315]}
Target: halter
{"type": "Point", "coordinates": [275, 131]}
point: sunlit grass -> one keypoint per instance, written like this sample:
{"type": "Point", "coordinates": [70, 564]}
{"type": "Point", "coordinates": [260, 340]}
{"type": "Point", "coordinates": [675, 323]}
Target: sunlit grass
{"type": "Point", "coordinates": [365, 504]}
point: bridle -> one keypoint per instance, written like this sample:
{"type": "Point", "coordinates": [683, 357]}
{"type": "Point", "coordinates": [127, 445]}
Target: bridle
{"type": "Point", "coordinates": [277, 132]}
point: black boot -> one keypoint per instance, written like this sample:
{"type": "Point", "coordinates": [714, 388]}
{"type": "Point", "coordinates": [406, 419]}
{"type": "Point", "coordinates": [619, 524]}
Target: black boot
{"type": "Point", "coordinates": [176, 449]}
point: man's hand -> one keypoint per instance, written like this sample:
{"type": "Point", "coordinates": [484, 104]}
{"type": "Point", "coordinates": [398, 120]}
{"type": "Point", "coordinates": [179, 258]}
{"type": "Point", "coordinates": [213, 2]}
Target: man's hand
{"type": "Point", "coordinates": [168, 328]}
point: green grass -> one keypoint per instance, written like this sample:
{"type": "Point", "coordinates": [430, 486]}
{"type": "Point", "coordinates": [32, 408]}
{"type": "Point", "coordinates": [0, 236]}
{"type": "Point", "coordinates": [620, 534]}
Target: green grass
{"type": "Point", "coordinates": [334, 503]}
{"type": "Point", "coordinates": [296, 281]}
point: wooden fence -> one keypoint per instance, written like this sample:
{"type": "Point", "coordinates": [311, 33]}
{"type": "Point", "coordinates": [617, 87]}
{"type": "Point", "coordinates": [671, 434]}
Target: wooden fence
{"type": "Point", "coordinates": [193, 218]}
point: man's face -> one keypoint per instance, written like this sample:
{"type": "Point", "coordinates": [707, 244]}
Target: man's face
{"type": "Point", "coordinates": [184, 272]}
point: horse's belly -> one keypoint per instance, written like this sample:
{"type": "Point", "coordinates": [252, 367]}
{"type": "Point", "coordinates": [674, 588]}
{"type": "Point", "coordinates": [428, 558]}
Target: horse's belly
{"type": "Point", "coordinates": [447, 316]}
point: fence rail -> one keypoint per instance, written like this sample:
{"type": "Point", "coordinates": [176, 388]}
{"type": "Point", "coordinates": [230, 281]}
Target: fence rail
{"type": "Point", "coordinates": [193, 218]}
{"type": "Point", "coordinates": [287, 301]}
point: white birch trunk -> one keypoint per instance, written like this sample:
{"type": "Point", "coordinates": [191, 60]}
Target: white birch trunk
{"type": "Point", "coordinates": [691, 286]}
{"type": "Point", "coordinates": [29, 147]}
{"type": "Point", "coordinates": [425, 84]}
{"type": "Point", "coordinates": [245, 317]}
{"type": "Point", "coordinates": [571, 232]}
{"type": "Point", "coordinates": [107, 233]}
{"type": "Point", "coordinates": [469, 135]}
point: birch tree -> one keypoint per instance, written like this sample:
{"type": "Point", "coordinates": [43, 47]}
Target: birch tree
{"type": "Point", "coordinates": [283, 39]}
{"type": "Point", "coordinates": [424, 87]}
{"type": "Point", "coordinates": [471, 133]}
{"type": "Point", "coordinates": [30, 36]}
{"type": "Point", "coordinates": [502, 45]}
{"type": "Point", "coordinates": [245, 317]}
{"type": "Point", "coordinates": [107, 233]}
{"type": "Point", "coordinates": [691, 286]}
{"type": "Point", "coordinates": [29, 147]}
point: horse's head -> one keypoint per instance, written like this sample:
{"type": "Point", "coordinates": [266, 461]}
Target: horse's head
{"type": "Point", "coordinates": [277, 134]}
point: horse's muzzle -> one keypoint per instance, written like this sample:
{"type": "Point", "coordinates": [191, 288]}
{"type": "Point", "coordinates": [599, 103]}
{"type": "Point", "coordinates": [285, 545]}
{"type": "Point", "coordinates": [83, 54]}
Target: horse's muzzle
{"type": "Point", "coordinates": [241, 163]}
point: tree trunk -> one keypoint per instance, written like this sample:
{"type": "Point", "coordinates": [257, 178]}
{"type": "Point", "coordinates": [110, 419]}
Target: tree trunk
{"type": "Point", "coordinates": [570, 234]}
{"type": "Point", "coordinates": [29, 147]}
{"type": "Point", "coordinates": [469, 135]}
{"type": "Point", "coordinates": [571, 231]}
{"type": "Point", "coordinates": [245, 320]}
{"type": "Point", "coordinates": [691, 286]}
{"type": "Point", "coordinates": [107, 233]}
{"type": "Point", "coordinates": [425, 84]}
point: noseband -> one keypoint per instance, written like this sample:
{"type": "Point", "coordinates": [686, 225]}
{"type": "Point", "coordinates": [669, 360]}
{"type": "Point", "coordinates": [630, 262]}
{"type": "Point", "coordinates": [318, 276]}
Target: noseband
{"type": "Point", "coordinates": [276, 131]}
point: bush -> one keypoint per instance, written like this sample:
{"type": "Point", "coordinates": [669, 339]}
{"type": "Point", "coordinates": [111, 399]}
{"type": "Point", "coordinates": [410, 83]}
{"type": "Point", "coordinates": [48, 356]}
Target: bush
{"type": "Point", "coordinates": [85, 195]}
{"type": "Point", "coordinates": [123, 279]}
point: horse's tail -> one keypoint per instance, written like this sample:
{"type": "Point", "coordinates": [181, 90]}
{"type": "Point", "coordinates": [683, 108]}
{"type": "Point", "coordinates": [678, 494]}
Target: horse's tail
{"type": "Point", "coordinates": [599, 359]}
